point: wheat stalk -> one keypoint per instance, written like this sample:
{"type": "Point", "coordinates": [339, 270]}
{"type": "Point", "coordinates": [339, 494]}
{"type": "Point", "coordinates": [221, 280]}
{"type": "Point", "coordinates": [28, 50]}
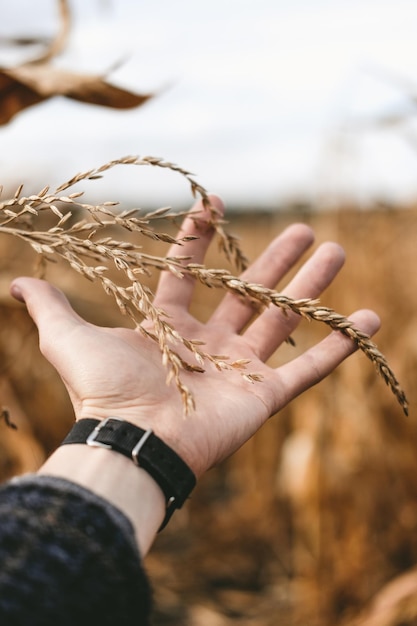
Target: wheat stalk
{"type": "Point", "coordinates": [307, 308]}
{"type": "Point", "coordinates": [228, 243]}
{"type": "Point", "coordinates": [79, 242]}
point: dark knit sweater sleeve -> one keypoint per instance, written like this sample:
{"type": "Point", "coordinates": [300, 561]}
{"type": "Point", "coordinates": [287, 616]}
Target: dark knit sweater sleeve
{"type": "Point", "coordinates": [67, 557]}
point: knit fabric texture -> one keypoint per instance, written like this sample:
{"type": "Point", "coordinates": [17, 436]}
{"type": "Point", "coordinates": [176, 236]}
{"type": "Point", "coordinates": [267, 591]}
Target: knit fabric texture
{"type": "Point", "coordinates": [66, 555]}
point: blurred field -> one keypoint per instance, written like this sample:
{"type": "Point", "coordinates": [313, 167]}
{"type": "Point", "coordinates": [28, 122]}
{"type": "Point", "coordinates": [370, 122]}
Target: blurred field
{"type": "Point", "coordinates": [314, 516]}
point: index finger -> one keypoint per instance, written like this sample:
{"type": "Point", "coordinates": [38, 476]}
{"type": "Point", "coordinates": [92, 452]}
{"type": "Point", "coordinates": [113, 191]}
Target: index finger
{"type": "Point", "coordinates": [174, 291]}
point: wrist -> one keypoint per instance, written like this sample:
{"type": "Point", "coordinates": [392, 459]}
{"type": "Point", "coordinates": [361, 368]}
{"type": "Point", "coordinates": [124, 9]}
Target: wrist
{"type": "Point", "coordinates": [170, 426]}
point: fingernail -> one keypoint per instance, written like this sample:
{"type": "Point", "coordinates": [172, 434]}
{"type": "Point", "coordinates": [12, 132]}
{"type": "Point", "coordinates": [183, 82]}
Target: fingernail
{"type": "Point", "coordinates": [16, 292]}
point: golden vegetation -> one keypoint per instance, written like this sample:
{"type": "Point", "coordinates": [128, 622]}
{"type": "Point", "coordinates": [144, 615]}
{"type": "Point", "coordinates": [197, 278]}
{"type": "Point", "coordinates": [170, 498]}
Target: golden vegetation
{"type": "Point", "coordinates": [319, 511]}
{"type": "Point", "coordinates": [86, 242]}
{"type": "Point", "coordinates": [316, 514]}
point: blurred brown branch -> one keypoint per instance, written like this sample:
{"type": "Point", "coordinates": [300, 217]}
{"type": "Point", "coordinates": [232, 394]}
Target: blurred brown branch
{"type": "Point", "coordinates": [38, 80]}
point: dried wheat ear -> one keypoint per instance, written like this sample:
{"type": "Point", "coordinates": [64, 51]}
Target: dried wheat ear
{"type": "Point", "coordinates": [80, 244]}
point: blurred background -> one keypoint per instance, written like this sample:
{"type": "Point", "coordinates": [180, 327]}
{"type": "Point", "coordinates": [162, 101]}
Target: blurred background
{"type": "Point", "coordinates": [290, 111]}
{"type": "Point", "coordinates": [265, 101]}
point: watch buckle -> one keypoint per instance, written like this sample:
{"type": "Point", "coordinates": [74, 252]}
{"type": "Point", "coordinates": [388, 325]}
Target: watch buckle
{"type": "Point", "coordinates": [92, 437]}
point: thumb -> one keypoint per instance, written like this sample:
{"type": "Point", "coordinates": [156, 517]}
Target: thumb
{"type": "Point", "coordinates": [48, 307]}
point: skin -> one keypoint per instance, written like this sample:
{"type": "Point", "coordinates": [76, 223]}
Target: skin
{"type": "Point", "coordinates": [117, 372]}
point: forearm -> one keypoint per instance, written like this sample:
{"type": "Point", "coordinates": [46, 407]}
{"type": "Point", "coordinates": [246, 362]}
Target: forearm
{"type": "Point", "coordinates": [68, 556]}
{"type": "Point", "coordinates": [115, 478]}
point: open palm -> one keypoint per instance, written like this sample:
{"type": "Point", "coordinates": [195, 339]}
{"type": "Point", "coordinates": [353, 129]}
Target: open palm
{"type": "Point", "coordinates": [118, 372]}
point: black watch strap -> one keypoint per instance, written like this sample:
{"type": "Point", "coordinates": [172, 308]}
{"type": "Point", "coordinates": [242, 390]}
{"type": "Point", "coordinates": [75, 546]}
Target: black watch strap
{"type": "Point", "coordinates": [145, 449]}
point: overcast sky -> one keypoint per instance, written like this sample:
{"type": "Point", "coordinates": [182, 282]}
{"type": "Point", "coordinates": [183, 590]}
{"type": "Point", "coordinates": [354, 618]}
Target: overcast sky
{"type": "Point", "coordinates": [264, 100]}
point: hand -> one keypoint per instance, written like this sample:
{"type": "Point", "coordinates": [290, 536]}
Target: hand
{"type": "Point", "coordinates": [118, 372]}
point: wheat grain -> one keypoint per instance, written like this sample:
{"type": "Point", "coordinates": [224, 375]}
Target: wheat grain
{"type": "Point", "coordinates": [309, 309]}
{"type": "Point", "coordinates": [77, 243]}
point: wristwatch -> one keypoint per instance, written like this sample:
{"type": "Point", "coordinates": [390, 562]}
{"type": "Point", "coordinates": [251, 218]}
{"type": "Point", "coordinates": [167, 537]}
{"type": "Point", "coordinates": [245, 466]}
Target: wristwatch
{"type": "Point", "coordinates": [145, 449]}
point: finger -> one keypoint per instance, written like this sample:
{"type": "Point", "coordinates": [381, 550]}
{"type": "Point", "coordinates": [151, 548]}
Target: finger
{"type": "Point", "coordinates": [274, 326]}
{"type": "Point", "coordinates": [319, 361]}
{"type": "Point", "coordinates": [173, 291]}
{"type": "Point", "coordinates": [268, 269]}
{"type": "Point", "coordinates": [49, 309]}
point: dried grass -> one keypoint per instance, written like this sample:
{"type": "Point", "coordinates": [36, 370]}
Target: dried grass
{"type": "Point", "coordinates": [88, 250]}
